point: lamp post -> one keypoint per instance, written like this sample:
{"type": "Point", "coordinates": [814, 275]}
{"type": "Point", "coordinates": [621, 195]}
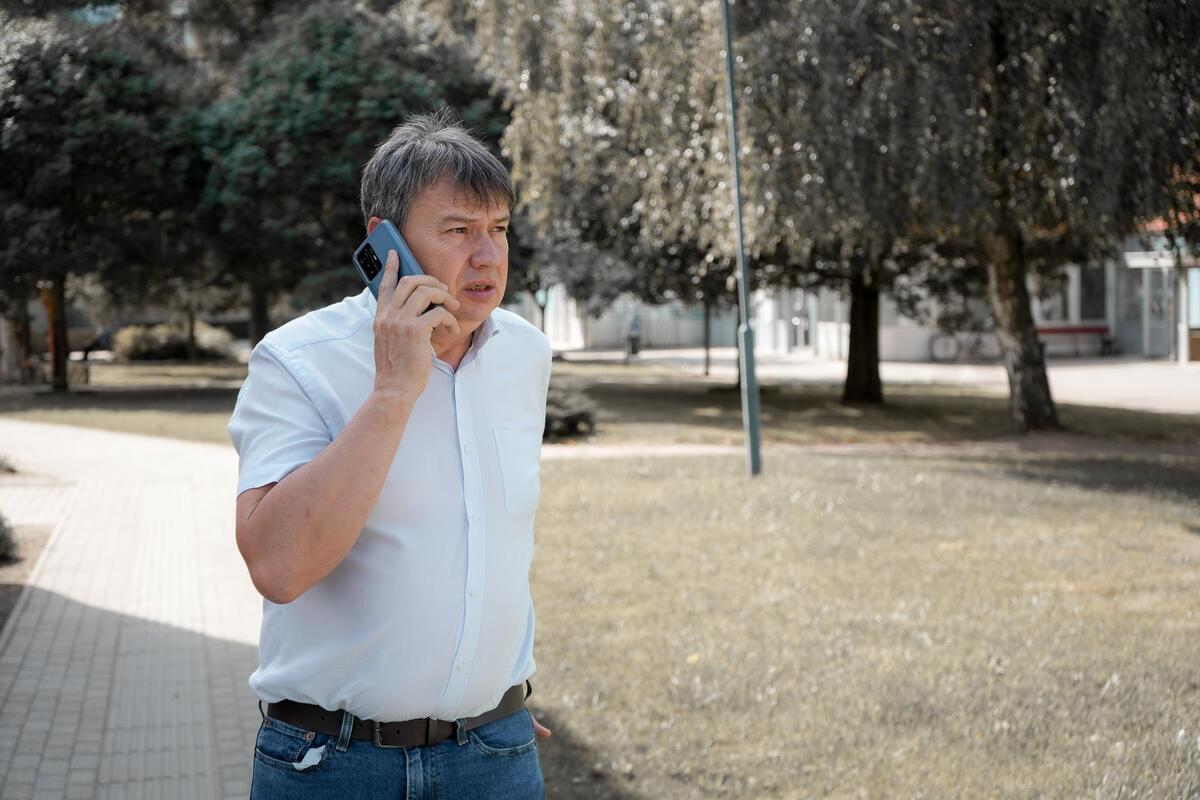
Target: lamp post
{"type": "Point", "coordinates": [749, 387]}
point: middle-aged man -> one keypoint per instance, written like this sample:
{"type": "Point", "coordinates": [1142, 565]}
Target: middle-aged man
{"type": "Point", "coordinates": [389, 457]}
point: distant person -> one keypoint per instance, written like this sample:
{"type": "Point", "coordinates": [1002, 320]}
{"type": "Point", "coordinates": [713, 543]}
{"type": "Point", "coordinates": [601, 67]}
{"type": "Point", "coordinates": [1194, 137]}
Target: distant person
{"type": "Point", "coordinates": [101, 341]}
{"type": "Point", "coordinates": [388, 479]}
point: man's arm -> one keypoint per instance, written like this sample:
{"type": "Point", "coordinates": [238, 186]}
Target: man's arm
{"type": "Point", "coordinates": [295, 532]}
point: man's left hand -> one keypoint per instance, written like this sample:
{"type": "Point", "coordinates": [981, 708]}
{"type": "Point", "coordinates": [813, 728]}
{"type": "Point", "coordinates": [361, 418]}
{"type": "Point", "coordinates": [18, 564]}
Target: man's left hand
{"type": "Point", "coordinates": [539, 730]}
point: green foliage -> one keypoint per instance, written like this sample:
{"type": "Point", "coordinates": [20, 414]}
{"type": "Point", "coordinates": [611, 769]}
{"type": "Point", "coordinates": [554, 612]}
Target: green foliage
{"type": "Point", "coordinates": [569, 413]}
{"type": "Point", "coordinates": [898, 145]}
{"type": "Point", "coordinates": [308, 106]}
{"type": "Point", "coordinates": [166, 341]}
{"type": "Point", "coordinates": [8, 540]}
{"type": "Point", "coordinates": [88, 149]}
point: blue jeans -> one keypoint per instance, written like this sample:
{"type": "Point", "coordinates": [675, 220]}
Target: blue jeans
{"type": "Point", "coordinates": [497, 760]}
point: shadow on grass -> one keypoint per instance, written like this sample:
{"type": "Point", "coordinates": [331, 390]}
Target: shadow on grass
{"type": "Point", "coordinates": [1167, 480]}
{"type": "Point", "coordinates": [159, 398]}
{"type": "Point", "coordinates": [807, 413]}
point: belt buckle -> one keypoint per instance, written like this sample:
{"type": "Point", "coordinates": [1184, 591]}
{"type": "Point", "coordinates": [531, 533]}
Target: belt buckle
{"type": "Point", "coordinates": [377, 739]}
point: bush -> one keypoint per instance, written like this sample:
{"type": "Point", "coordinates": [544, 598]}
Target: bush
{"type": "Point", "coordinates": [8, 540]}
{"type": "Point", "coordinates": [6, 465]}
{"type": "Point", "coordinates": [569, 413]}
{"type": "Point", "coordinates": [168, 341]}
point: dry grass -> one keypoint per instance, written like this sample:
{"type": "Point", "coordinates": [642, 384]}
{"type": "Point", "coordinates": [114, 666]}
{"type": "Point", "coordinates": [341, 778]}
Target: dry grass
{"type": "Point", "coordinates": [181, 401]}
{"type": "Point", "coordinates": [869, 627]}
{"type": "Point", "coordinates": [853, 625]}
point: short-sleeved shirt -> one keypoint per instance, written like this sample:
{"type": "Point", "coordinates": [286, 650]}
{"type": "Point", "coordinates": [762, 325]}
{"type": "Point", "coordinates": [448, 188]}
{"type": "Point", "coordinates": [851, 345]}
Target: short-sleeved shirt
{"type": "Point", "coordinates": [429, 615]}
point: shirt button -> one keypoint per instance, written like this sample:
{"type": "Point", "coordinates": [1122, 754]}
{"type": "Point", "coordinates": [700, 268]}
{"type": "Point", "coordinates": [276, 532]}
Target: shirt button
{"type": "Point", "coordinates": [474, 594]}
{"type": "Point", "coordinates": [474, 519]}
{"type": "Point", "coordinates": [461, 666]}
{"type": "Point", "coordinates": [467, 448]}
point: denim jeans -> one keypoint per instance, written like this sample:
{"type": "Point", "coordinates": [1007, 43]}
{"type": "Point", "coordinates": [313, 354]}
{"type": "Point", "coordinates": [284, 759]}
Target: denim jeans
{"type": "Point", "coordinates": [497, 760]}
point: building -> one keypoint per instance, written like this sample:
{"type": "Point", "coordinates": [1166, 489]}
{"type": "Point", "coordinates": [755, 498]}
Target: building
{"type": "Point", "coordinates": [1125, 306]}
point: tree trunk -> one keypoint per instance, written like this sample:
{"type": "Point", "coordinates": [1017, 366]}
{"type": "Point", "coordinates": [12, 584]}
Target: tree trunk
{"type": "Point", "coordinates": [192, 351]}
{"type": "Point", "coordinates": [12, 350]}
{"type": "Point", "coordinates": [862, 366]}
{"type": "Point", "coordinates": [1031, 405]}
{"type": "Point", "coordinates": [707, 336]}
{"type": "Point", "coordinates": [260, 320]}
{"type": "Point", "coordinates": [60, 347]}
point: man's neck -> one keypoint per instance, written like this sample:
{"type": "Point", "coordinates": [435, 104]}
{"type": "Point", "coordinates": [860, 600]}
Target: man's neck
{"type": "Point", "coordinates": [452, 351]}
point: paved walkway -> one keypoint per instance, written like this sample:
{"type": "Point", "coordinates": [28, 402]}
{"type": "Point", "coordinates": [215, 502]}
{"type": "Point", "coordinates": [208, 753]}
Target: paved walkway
{"type": "Point", "coordinates": [123, 669]}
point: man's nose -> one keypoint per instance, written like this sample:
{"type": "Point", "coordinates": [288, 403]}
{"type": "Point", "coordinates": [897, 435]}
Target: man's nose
{"type": "Point", "coordinates": [485, 253]}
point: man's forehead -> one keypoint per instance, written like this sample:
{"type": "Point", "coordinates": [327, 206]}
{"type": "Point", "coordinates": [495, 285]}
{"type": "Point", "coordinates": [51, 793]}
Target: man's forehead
{"type": "Point", "coordinates": [449, 200]}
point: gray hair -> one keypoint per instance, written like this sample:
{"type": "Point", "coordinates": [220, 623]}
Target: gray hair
{"type": "Point", "coordinates": [423, 151]}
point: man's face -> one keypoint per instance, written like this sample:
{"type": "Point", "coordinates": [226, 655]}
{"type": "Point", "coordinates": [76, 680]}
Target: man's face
{"type": "Point", "coordinates": [462, 244]}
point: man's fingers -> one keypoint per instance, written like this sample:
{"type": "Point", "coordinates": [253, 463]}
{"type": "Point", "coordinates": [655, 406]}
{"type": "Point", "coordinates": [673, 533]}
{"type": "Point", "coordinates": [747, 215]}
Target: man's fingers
{"type": "Point", "coordinates": [539, 730]}
{"type": "Point", "coordinates": [423, 296]}
{"type": "Point", "coordinates": [439, 317]}
{"type": "Point", "coordinates": [387, 284]}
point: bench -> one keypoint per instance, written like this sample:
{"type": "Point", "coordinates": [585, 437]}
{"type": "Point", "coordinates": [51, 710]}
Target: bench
{"type": "Point", "coordinates": [1108, 345]}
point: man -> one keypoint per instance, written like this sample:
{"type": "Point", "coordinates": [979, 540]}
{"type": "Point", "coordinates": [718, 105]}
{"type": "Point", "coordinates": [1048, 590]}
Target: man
{"type": "Point", "coordinates": [389, 456]}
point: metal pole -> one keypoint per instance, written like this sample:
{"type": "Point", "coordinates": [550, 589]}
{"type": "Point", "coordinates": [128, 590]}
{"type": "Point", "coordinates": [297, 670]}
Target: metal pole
{"type": "Point", "coordinates": [745, 330]}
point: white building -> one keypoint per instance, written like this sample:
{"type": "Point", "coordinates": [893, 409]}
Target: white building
{"type": "Point", "coordinates": [1127, 305]}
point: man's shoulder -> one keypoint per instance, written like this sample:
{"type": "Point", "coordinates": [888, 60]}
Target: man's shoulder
{"type": "Point", "coordinates": [331, 324]}
{"type": "Point", "coordinates": [520, 331]}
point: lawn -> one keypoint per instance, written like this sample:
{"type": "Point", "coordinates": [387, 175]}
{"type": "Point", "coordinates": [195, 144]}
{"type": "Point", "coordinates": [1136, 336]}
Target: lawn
{"type": "Point", "coordinates": [860, 620]}
{"type": "Point", "coordinates": [632, 404]}
{"type": "Point", "coordinates": [849, 626]}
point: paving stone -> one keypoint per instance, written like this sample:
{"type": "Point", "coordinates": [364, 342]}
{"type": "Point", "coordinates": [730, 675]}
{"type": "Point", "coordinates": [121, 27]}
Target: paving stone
{"type": "Point", "coordinates": [139, 619]}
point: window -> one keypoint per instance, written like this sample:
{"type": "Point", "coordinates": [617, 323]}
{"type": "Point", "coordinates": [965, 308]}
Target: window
{"type": "Point", "coordinates": [1092, 287]}
{"type": "Point", "coordinates": [1194, 298]}
{"type": "Point", "coordinates": [1054, 303]}
{"type": "Point", "coordinates": [1129, 285]}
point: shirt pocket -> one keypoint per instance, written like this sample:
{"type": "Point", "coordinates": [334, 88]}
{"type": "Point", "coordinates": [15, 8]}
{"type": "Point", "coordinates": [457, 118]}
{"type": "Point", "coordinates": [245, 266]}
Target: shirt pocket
{"type": "Point", "coordinates": [520, 453]}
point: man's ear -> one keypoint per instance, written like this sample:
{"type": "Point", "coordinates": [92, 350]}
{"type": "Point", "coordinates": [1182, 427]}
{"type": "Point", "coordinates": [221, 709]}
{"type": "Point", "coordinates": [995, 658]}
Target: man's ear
{"type": "Point", "coordinates": [372, 224]}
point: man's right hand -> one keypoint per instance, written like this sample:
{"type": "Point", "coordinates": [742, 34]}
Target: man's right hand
{"type": "Point", "coordinates": [404, 323]}
{"type": "Point", "coordinates": [294, 532]}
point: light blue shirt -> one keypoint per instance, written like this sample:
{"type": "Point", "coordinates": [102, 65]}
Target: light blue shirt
{"type": "Point", "coordinates": [429, 615]}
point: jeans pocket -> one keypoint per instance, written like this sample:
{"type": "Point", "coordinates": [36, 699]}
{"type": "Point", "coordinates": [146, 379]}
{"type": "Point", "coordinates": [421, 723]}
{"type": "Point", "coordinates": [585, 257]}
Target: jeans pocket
{"type": "Point", "coordinates": [289, 748]}
{"type": "Point", "coordinates": [504, 738]}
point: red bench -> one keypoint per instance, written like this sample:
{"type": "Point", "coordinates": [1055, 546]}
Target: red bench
{"type": "Point", "coordinates": [1108, 345]}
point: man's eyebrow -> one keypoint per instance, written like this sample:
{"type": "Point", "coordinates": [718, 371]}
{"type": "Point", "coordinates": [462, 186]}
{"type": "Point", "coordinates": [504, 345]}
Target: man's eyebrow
{"type": "Point", "coordinates": [447, 218]}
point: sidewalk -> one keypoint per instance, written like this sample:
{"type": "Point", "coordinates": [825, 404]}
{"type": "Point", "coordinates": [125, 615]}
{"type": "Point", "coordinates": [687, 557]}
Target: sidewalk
{"type": "Point", "coordinates": [1115, 381]}
{"type": "Point", "coordinates": [123, 668]}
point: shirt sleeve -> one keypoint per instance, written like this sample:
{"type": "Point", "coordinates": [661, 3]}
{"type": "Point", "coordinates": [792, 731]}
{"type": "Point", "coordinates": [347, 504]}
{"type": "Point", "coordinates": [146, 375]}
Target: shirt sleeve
{"type": "Point", "coordinates": [276, 427]}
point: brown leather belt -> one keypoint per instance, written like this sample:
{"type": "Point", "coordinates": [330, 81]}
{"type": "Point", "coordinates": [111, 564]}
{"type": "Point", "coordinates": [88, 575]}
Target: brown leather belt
{"type": "Point", "coordinates": [410, 733]}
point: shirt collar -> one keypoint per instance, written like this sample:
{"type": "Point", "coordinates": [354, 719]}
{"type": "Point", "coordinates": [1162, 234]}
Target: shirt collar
{"type": "Point", "coordinates": [484, 332]}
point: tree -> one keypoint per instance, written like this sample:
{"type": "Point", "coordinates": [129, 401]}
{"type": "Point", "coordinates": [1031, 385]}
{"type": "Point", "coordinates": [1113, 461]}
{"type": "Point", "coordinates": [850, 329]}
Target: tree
{"type": "Point", "coordinates": [1060, 114]}
{"type": "Point", "coordinates": [875, 134]}
{"type": "Point", "coordinates": [89, 148]}
{"type": "Point", "coordinates": [619, 156]}
{"type": "Point", "coordinates": [287, 144]}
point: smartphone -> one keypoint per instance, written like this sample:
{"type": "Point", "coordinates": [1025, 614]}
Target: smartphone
{"type": "Point", "coordinates": [371, 256]}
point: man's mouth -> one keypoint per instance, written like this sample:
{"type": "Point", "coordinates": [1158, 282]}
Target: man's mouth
{"type": "Point", "coordinates": [479, 288]}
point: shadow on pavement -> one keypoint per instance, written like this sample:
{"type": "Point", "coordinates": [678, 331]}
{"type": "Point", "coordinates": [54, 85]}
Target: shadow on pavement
{"type": "Point", "coordinates": [141, 708]}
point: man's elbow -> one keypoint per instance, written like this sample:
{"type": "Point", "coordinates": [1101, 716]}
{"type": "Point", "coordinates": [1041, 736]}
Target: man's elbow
{"type": "Point", "coordinates": [274, 587]}
{"type": "Point", "coordinates": [271, 577]}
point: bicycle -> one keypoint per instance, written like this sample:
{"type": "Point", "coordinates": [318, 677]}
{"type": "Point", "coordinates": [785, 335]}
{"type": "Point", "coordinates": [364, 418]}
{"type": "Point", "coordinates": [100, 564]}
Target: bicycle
{"type": "Point", "coordinates": [967, 346]}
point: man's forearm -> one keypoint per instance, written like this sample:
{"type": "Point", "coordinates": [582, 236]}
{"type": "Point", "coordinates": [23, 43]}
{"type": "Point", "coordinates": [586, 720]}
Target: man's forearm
{"type": "Point", "coordinates": [294, 533]}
